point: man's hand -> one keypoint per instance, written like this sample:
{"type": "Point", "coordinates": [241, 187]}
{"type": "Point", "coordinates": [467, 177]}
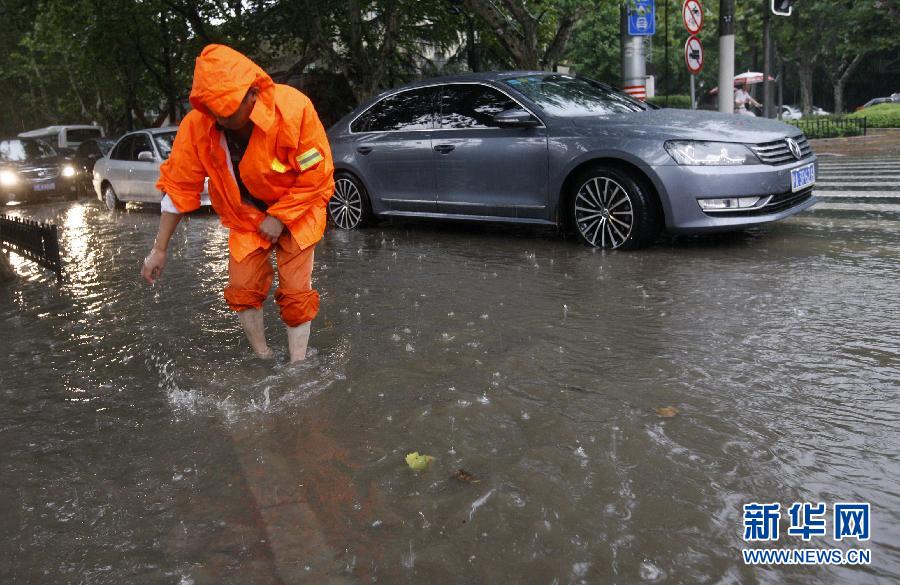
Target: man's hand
{"type": "Point", "coordinates": [153, 265]}
{"type": "Point", "coordinates": [271, 228]}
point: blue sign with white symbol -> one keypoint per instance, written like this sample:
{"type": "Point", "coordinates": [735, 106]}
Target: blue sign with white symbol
{"type": "Point", "coordinates": [641, 17]}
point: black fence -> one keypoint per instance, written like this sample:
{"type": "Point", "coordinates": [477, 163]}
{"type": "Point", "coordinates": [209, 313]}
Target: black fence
{"type": "Point", "coordinates": [828, 127]}
{"type": "Point", "coordinates": [33, 240]}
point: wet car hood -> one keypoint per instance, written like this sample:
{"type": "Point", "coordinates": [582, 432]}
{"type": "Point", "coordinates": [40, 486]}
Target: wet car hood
{"type": "Point", "coordinates": [34, 169]}
{"type": "Point", "coordinates": [25, 167]}
{"type": "Point", "coordinates": [671, 124]}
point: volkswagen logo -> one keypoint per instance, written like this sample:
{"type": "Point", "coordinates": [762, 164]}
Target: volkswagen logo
{"type": "Point", "coordinates": [794, 148]}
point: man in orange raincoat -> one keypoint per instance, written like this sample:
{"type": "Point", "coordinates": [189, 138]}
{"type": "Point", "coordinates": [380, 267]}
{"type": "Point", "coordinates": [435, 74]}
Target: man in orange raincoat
{"type": "Point", "coordinates": [270, 178]}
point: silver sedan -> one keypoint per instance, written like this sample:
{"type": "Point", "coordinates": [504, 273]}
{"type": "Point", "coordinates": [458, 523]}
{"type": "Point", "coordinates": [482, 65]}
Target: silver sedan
{"type": "Point", "coordinates": [130, 170]}
{"type": "Point", "coordinates": [546, 148]}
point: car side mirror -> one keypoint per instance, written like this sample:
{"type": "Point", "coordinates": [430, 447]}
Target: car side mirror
{"type": "Point", "coordinates": [515, 118]}
{"type": "Point", "coordinates": [146, 156]}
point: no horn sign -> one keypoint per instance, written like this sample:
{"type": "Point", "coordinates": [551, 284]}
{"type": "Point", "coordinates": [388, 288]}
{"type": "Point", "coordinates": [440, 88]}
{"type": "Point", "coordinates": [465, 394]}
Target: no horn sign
{"type": "Point", "coordinates": [693, 55]}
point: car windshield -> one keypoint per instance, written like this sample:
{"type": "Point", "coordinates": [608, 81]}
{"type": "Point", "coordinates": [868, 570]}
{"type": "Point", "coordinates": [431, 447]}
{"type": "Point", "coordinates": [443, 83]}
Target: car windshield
{"type": "Point", "coordinates": [106, 145]}
{"type": "Point", "coordinates": [567, 96]}
{"type": "Point", "coordinates": [164, 143]}
{"type": "Point", "coordinates": [24, 150]}
{"type": "Point", "coordinates": [78, 135]}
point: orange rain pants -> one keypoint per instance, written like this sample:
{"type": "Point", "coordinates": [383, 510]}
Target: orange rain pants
{"type": "Point", "coordinates": [250, 280]}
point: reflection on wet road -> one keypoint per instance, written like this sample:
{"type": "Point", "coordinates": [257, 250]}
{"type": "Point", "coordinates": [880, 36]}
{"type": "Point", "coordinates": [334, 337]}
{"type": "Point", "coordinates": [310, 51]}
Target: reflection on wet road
{"type": "Point", "coordinates": [142, 444]}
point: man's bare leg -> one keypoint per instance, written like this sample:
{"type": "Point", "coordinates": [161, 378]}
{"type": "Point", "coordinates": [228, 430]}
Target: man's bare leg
{"type": "Point", "coordinates": [298, 339]}
{"type": "Point", "coordinates": [252, 321]}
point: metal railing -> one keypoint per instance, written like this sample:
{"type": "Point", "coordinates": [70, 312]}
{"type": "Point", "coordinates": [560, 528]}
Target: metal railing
{"type": "Point", "coordinates": [828, 127]}
{"type": "Point", "coordinates": [33, 240]}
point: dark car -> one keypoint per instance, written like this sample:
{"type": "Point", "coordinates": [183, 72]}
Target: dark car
{"type": "Point", "coordinates": [32, 170]}
{"type": "Point", "coordinates": [552, 149]}
{"type": "Point", "coordinates": [86, 155]}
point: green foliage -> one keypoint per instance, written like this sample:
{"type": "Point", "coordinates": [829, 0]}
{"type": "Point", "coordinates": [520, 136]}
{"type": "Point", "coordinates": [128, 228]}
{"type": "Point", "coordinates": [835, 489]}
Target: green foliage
{"type": "Point", "coordinates": [594, 51]}
{"type": "Point", "coordinates": [682, 102]}
{"type": "Point", "coordinates": [880, 116]}
{"type": "Point", "coordinates": [827, 126]}
{"type": "Point", "coordinates": [128, 64]}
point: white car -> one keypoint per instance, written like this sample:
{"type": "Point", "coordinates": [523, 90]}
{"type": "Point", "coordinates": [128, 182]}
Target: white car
{"type": "Point", "coordinates": [791, 113]}
{"type": "Point", "coordinates": [131, 169]}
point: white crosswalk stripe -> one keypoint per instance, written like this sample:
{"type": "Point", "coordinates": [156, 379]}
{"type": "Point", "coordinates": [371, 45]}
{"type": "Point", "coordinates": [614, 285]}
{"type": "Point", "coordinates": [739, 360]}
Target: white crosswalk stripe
{"type": "Point", "coordinates": [855, 184]}
{"type": "Point", "coordinates": [877, 207]}
{"type": "Point", "coordinates": [858, 185]}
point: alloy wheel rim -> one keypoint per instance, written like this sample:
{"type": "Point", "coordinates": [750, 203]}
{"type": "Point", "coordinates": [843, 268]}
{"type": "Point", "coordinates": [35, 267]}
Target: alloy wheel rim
{"type": "Point", "coordinates": [345, 205]}
{"type": "Point", "coordinates": [604, 213]}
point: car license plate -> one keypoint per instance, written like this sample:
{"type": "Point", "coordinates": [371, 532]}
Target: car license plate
{"type": "Point", "coordinates": [803, 177]}
{"type": "Point", "coordinates": [45, 187]}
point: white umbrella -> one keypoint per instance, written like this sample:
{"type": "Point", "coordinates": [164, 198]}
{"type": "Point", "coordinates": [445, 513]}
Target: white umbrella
{"type": "Point", "coordinates": [750, 77]}
{"type": "Point", "coordinates": [745, 78]}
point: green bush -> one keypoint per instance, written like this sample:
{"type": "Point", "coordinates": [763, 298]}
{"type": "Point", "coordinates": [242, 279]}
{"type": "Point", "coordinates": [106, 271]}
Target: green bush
{"type": "Point", "coordinates": [880, 116]}
{"type": "Point", "coordinates": [825, 127]}
{"type": "Point", "coordinates": [675, 101]}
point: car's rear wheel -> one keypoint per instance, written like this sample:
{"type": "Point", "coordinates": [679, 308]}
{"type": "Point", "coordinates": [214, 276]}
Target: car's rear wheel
{"type": "Point", "coordinates": [349, 207]}
{"type": "Point", "coordinates": [110, 199]}
{"type": "Point", "coordinates": [609, 209]}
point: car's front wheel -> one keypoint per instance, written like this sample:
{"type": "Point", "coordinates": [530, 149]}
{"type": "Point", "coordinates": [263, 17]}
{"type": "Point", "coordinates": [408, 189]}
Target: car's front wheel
{"type": "Point", "coordinates": [348, 208]}
{"type": "Point", "coordinates": [110, 199]}
{"type": "Point", "coordinates": [609, 209]}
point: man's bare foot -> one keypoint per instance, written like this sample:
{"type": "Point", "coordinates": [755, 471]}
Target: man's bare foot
{"type": "Point", "coordinates": [298, 339]}
{"type": "Point", "coordinates": [266, 354]}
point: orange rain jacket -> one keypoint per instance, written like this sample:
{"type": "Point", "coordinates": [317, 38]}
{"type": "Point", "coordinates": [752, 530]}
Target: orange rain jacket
{"type": "Point", "coordinates": [287, 163]}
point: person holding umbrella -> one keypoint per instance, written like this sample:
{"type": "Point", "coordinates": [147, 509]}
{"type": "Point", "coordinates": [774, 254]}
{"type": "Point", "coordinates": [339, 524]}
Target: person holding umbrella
{"type": "Point", "coordinates": [741, 98]}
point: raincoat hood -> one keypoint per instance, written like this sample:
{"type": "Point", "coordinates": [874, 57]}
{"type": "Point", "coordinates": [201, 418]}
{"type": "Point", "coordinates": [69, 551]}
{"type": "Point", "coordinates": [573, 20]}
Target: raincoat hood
{"type": "Point", "coordinates": [222, 77]}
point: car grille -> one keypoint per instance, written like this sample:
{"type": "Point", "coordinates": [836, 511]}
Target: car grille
{"type": "Point", "coordinates": [40, 174]}
{"type": "Point", "coordinates": [778, 152]}
{"type": "Point", "coordinates": [778, 203]}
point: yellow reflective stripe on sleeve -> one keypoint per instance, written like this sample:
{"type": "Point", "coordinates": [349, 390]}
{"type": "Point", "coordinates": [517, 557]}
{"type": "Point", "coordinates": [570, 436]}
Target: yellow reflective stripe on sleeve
{"type": "Point", "coordinates": [309, 153]}
{"type": "Point", "coordinates": [278, 166]}
{"type": "Point", "coordinates": [309, 158]}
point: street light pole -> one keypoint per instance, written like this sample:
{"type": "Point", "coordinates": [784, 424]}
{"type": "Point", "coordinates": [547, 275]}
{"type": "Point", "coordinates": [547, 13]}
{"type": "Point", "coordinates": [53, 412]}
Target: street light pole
{"type": "Point", "coordinates": [767, 60]}
{"type": "Point", "coordinates": [726, 56]}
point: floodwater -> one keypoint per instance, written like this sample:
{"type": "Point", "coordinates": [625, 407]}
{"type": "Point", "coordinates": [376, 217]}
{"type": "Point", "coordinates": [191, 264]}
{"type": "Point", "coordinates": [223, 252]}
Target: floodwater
{"type": "Point", "coordinates": [142, 444]}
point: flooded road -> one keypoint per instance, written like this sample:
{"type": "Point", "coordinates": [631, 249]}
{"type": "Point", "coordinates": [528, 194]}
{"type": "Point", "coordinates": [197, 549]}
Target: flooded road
{"type": "Point", "coordinates": [142, 444]}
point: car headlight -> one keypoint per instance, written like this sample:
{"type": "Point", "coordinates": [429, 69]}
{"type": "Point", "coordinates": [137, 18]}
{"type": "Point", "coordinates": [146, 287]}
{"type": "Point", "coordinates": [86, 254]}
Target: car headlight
{"type": "Point", "coordinates": [68, 171]}
{"type": "Point", "coordinates": [8, 178]}
{"type": "Point", "coordinates": [697, 153]}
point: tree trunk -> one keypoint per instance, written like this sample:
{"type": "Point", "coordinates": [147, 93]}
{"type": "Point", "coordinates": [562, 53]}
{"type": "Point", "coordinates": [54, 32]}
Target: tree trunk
{"type": "Point", "coordinates": [805, 75]}
{"type": "Point", "coordinates": [838, 83]}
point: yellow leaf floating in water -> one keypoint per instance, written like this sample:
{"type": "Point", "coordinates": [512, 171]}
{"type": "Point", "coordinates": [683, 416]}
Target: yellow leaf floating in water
{"type": "Point", "coordinates": [418, 462]}
{"type": "Point", "coordinates": [666, 411]}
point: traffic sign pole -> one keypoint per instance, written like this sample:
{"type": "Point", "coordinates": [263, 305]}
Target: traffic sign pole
{"type": "Point", "coordinates": [693, 98]}
{"type": "Point", "coordinates": [692, 16]}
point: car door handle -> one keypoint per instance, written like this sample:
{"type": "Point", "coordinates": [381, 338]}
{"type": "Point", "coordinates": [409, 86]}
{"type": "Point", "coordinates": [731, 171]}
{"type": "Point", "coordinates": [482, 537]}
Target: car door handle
{"type": "Point", "coordinates": [444, 148]}
{"type": "Point", "coordinates": [363, 149]}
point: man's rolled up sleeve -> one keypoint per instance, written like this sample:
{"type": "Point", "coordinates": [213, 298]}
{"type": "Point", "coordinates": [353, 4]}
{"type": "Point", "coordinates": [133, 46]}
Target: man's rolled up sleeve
{"type": "Point", "coordinates": [182, 176]}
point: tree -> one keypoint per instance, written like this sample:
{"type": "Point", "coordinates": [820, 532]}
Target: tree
{"type": "Point", "coordinates": [533, 34]}
{"type": "Point", "coordinates": [853, 29]}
